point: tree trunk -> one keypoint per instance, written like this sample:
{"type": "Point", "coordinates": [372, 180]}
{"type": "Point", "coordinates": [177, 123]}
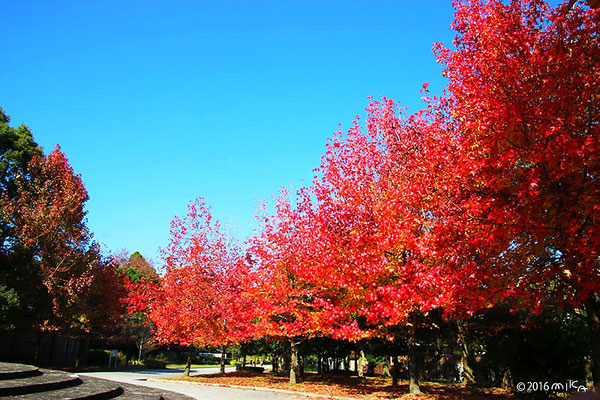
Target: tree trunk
{"type": "Point", "coordinates": [126, 351]}
{"type": "Point", "coordinates": [140, 349]}
{"type": "Point", "coordinates": [188, 364]}
{"type": "Point", "coordinates": [395, 370]}
{"type": "Point", "coordinates": [468, 374]}
{"type": "Point", "coordinates": [244, 361]}
{"type": "Point", "coordinates": [592, 308]}
{"type": "Point", "coordinates": [319, 364]}
{"type": "Point", "coordinates": [507, 381]}
{"type": "Point", "coordinates": [82, 352]}
{"type": "Point", "coordinates": [361, 365]}
{"type": "Point", "coordinates": [294, 373]}
{"type": "Point", "coordinates": [51, 357]}
{"type": "Point", "coordinates": [413, 365]}
{"type": "Point", "coordinates": [274, 361]}
{"type": "Point", "coordinates": [79, 352]}
{"type": "Point", "coordinates": [223, 355]}
{"type": "Point", "coordinates": [285, 362]}
{"type": "Point", "coordinates": [386, 368]}
{"type": "Point", "coordinates": [36, 356]}
{"type": "Point", "coordinates": [13, 344]}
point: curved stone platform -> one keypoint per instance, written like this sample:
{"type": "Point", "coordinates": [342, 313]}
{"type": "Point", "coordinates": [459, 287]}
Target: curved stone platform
{"type": "Point", "coordinates": [17, 371]}
{"type": "Point", "coordinates": [20, 381]}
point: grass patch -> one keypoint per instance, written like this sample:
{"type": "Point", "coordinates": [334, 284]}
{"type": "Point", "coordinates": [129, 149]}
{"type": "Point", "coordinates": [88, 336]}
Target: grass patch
{"type": "Point", "coordinates": [182, 366]}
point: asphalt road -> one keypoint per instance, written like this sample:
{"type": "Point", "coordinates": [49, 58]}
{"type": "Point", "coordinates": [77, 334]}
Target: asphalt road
{"type": "Point", "coordinates": [140, 377]}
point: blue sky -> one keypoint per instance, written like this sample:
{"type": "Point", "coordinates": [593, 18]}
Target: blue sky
{"type": "Point", "coordinates": [156, 103]}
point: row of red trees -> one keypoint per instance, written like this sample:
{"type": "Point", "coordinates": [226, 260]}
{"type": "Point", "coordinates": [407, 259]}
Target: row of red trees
{"type": "Point", "coordinates": [488, 195]}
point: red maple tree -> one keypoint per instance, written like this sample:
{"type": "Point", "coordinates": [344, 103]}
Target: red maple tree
{"type": "Point", "coordinates": [523, 103]}
{"type": "Point", "coordinates": [286, 302]}
{"type": "Point", "coordinates": [195, 301]}
{"type": "Point", "coordinates": [47, 216]}
{"type": "Point", "coordinates": [379, 208]}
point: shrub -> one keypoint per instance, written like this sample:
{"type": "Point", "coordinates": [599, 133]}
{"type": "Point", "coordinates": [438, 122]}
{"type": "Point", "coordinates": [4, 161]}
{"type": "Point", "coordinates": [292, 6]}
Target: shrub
{"type": "Point", "coordinates": [155, 363]}
{"type": "Point", "coordinates": [240, 367]}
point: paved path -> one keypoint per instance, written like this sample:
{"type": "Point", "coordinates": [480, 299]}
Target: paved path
{"type": "Point", "coordinates": [196, 391]}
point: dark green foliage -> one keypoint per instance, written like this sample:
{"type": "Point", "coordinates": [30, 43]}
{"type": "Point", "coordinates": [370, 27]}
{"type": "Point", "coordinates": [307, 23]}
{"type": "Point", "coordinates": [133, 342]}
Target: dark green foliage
{"type": "Point", "coordinates": [553, 348]}
{"type": "Point", "coordinates": [137, 261]}
{"type": "Point", "coordinates": [98, 357]}
{"type": "Point", "coordinates": [17, 147]}
{"type": "Point", "coordinates": [155, 363]}
{"type": "Point", "coordinates": [133, 274]}
{"type": "Point", "coordinates": [507, 348]}
{"type": "Point", "coordinates": [9, 308]}
{"type": "Point", "coordinates": [253, 369]}
{"type": "Point", "coordinates": [135, 267]}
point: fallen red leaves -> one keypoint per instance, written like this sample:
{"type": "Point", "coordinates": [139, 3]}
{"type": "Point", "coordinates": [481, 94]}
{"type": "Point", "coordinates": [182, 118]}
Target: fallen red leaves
{"type": "Point", "coordinates": [354, 387]}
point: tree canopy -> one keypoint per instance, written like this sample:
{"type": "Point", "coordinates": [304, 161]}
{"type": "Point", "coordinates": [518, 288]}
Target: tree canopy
{"type": "Point", "coordinates": [50, 265]}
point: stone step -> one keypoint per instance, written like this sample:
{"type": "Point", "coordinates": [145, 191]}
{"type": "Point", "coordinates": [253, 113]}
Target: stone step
{"type": "Point", "coordinates": [31, 383]}
{"type": "Point", "coordinates": [88, 390]}
{"type": "Point", "coordinates": [47, 381]}
{"type": "Point", "coordinates": [17, 371]}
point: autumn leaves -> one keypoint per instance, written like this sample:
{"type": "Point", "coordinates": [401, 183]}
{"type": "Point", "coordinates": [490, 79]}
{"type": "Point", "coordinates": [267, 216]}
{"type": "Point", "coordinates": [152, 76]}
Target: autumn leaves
{"type": "Point", "coordinates": [488, 195]}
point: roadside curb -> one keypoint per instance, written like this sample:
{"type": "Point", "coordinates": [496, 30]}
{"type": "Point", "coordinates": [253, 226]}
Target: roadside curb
{"type": "Point", "coordinates": [254, 388]}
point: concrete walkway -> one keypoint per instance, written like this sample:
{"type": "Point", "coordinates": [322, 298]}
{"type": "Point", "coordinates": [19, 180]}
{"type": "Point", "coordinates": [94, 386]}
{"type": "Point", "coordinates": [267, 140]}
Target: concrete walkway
{"type": "Point", "coordinates": [196, 391]}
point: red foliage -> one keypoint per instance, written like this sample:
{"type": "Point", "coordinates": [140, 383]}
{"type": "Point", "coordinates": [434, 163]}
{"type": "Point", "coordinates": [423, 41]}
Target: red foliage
{"type": "Point", "coordinates": [377, 217]}
{"type": "Point", "coordinates": [48, 217]}
{"type": "Point", "coordinates": [195, 301]}
{"type": "Point", "coordinates": [288, 300]}
{"type": "Point", "coordinates": [523, 103]}
{"type": "Point", "coordinates": [101, 307]}
{"type": "Point", "coordinates": [489, 194]}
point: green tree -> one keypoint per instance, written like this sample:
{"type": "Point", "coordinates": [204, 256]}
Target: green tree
{"type": "Point", "coordinates": [9, 307]}
{"type": "Point", "coordinates": [17, 147]}
{"type": "Point", "coordinates": [137, 267]}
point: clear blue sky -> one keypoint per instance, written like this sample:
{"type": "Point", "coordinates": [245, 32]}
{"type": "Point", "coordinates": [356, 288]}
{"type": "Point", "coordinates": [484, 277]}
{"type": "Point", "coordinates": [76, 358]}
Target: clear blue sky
{"type": "Point", "coordinates": [156, 103]}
